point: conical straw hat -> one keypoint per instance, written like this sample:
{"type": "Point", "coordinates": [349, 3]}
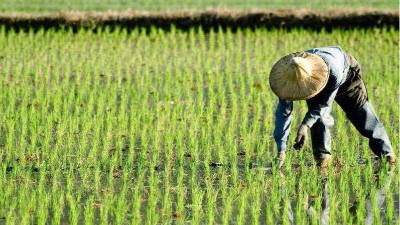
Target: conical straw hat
{"type": "Point", "coordinates": [298, 76]}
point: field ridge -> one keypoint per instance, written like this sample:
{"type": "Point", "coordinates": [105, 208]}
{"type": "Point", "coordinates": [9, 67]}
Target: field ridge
{"type": "Point", "coordinates": [209, 19]}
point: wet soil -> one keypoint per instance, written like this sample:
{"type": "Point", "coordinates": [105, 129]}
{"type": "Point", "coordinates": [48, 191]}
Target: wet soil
{"type": "Point", "coordinates": [207, 20]}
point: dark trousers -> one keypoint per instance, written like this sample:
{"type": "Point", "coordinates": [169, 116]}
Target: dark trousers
{"type": "Point", "coordinates": [352, 97]}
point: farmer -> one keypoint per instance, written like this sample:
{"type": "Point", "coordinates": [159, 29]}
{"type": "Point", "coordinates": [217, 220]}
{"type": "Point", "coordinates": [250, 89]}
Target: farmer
{"type": "Point", "coordinates": [319, 76]}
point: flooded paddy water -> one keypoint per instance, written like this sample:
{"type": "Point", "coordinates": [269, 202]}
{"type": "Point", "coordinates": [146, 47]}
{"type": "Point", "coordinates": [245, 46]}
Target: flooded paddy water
{"type": "Point", "coordinates": [175, 127]}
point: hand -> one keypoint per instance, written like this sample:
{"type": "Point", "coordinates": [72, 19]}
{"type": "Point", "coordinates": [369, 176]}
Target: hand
{"type": "Point", "coordinates": [301, 137]}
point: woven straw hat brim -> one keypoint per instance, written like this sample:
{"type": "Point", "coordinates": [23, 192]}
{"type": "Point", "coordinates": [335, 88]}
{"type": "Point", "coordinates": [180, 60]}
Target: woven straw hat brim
{"type": "Point", "coordinates": [286, 86]}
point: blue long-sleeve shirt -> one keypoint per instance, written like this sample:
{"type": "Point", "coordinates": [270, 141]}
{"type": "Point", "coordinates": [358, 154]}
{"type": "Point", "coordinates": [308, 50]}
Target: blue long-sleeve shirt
{"type": "Point", "coordinates": [319, 105]}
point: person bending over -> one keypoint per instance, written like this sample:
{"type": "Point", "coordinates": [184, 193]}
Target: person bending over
{"type": "Point", "coordinates": [319, 76]}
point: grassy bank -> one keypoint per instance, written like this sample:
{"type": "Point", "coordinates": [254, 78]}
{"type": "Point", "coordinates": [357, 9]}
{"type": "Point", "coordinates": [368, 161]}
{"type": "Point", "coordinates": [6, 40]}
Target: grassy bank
{"type": "Point", "coordinates": [168, 5]}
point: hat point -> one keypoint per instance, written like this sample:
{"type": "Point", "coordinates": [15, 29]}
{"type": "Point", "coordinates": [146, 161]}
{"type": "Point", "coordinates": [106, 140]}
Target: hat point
{"type": "Point", "coordinates": [303, 68]}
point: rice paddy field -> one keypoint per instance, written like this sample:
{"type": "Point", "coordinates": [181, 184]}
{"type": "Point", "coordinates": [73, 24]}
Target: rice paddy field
{"type": "Point", "coordinates": [157, 127]}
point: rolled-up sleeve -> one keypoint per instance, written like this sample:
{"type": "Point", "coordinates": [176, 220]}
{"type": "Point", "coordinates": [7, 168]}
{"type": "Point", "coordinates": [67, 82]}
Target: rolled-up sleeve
{"type": "Point", "coordinates": [283, 119]}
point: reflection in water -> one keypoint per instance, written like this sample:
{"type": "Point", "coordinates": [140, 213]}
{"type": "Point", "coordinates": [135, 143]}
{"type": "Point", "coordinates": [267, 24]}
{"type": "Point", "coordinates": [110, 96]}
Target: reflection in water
{"type": "Point", "coordinates": [289, 209]}
{"type": "Point", "coordinates": [325, 205]}
{"type": "Point", "coordinates": [385, 182]}
{"type": "Point", "coordinates": [381, 193]}
{"type": "Point", "coordinates": [308, 207]}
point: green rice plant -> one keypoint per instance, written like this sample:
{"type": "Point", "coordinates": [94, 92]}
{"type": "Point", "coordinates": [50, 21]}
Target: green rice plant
{"type": "Point", "coordinates": [158, 127]}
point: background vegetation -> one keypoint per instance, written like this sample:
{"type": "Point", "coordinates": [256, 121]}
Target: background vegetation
{"type": "Point", "coordinates": [161, 5]}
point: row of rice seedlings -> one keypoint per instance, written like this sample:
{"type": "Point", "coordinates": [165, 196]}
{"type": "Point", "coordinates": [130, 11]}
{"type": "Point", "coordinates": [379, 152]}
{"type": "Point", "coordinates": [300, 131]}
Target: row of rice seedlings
{"type": "Point", "coordinates": [164, 127]}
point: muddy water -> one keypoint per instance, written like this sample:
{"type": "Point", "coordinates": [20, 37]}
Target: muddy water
{"type": "Point", "coordinates": [314, 212]}
{"type": "Point", "coordinates": [323, 215]}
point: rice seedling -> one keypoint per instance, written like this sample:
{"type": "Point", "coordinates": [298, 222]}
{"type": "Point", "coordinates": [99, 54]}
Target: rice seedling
{"type": "Point", "coordinates": [156, 127]}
